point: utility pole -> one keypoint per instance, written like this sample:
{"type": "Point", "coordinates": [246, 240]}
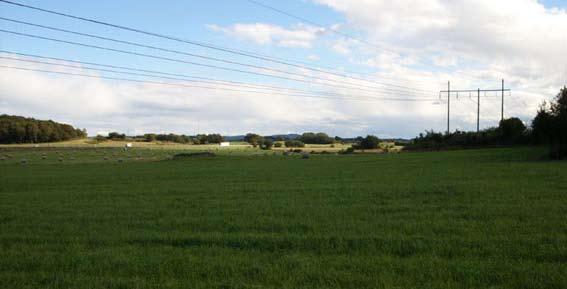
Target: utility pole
{"type": "Point", "coordinates": [502, 110]}
{"type": "Point", "coordinates": [478, 110]}
{"type": "Point", "coordinates": [448, 107]}
{"type": "Point", "coordinates": [478, 91]}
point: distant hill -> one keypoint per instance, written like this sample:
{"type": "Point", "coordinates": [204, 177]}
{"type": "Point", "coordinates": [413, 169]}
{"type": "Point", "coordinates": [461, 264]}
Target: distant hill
{"type": "Point", "coordinates": [234, 138]}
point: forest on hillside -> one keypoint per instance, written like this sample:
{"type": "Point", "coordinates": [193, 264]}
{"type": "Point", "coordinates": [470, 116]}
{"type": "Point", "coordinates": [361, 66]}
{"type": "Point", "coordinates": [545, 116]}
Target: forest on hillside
{"type": "Point", "coordinates": [18, 130]}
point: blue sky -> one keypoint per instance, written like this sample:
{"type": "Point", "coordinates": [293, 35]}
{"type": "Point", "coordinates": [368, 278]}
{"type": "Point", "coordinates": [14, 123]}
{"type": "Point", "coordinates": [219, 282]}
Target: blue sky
{"type": "Point", "coordinates": [555, 3]}
{"type": "Point", "coordinates": [420, 48]}
{"type": "Point", "coordinates": [186, 19]}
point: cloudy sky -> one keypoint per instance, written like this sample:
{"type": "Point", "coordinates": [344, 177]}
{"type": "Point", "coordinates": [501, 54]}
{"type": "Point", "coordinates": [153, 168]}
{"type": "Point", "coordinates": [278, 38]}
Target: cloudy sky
{"type": "Point", "coordinates": [359, 66]}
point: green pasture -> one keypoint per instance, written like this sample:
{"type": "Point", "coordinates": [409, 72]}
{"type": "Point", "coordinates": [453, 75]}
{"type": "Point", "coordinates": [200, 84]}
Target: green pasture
{"type": "Point", "coordinates": [245, 218]}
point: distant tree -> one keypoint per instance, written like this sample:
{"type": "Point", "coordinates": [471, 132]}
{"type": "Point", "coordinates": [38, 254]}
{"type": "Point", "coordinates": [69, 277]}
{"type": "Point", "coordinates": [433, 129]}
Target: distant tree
{"type": "Point", "coordinates": [168, 138]}
{"type": "Point", "coordinates": [542, 125]}
{"type": "Point", "coordinates": [116, 136]}
{"type": "Point", "coordinates": [150, 137]}
{"type": "Point", "coordinates": [294, 144]}
{"type": "Point", "coordinates": [315, 138]}
{"type": "Point", "coordinates": [254, 139]}
{"type": "Point", "coordinates": [214, 138]}
{"type": "Point", "coordinates": [369, 142]}
{"type": "Point", "coordinates": [100, 138]}
{"type": "Point", "coordinates": [511, 130]}
{"type": "Point", "coordinates": [200, 139]}
{"type": "Point", "coordinates": [550, 125]}
{"type": "Point", "coordinates": [17, 129]}
{"type": "Point", "coordinates": [267, 143]}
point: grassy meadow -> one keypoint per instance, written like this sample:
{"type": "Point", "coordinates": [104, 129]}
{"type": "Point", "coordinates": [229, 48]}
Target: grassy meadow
{"type": "Point", "coordinates": [101, 217]}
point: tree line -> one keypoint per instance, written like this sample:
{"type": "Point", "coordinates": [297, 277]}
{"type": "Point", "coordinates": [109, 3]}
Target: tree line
{"type": "Point", "coordinates": [176, 138]}
{"type": "Point", "coordinates": [266, 142]}
{"type": "Point", "coordinates": [184, 139]}
{"type": "Point", "coordinates": [510, 131]}
{"type": "Point", "coordinates": [549, 127]}
{"type": "Point", "coordinates": [19, 130]}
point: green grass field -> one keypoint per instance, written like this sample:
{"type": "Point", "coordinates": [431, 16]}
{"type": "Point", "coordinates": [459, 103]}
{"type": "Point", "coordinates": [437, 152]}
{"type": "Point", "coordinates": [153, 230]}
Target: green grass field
{"type": "Point", "coordinates": [462, 219]}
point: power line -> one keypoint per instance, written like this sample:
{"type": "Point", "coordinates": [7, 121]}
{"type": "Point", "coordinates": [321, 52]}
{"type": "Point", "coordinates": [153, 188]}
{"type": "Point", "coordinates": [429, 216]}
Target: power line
{"type": "Point", "coordinates": [188, 62]}
{"type": "Point", "coordinates": [151, 82]}
{"type": "Point", "coordinates": [193, 54]}
{"type": "Point", "coordinates": [258, 3]}
{"type": "Point", "coordinates": [195, 86]}
{"type": "Point", "coordinates": [198, 78]}
{"type": "Point", "coordinates": [201, 44]}
{"type": "Point", "coordinates": [303, 92]}
{"type": "Point", "coordinates": [478, 91]}
{"type": "Point", "coordinates": [338, 32]}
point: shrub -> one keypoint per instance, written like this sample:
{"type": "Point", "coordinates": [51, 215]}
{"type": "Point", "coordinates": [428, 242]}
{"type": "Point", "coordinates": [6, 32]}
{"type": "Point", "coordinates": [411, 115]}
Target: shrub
{"type": "Point", "coordinates": [294, 144]}
{"type": "Point", "coordinates": [100, 138]}
{"type": "Point", "coordinates": [349, 150]}
{"type": "Point", "coordinates": [267, 144]}
{"type": "Point", "coordinates": [182, 156]}
{"type": "Point", "coordinates": [367, 143]}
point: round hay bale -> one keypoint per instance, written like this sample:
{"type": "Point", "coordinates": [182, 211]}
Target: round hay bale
{"type": "Point", "coordinates": [305, 156]}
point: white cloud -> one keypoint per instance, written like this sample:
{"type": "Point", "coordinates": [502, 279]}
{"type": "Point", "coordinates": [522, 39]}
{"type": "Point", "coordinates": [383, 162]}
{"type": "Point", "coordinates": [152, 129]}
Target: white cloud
{"type": "Point", "coordinates": [102, 105]}
{"type": "Point", "coordinates": [444, 61]}
{"type": "Point", "coordinates": [342, 46]}
{"type": "Point", "coordinates": [484, 40]}
{"type": "Point", "coordinates": [482, 30]}
{"type": "Point", "coordinates": [314, 57]}
{"type": "Point", "coordinates": [421, 44]}
{"type": "Point", "coordinates": [389, 16]}
{"type": "Point", "coordinates": [261, 33]}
